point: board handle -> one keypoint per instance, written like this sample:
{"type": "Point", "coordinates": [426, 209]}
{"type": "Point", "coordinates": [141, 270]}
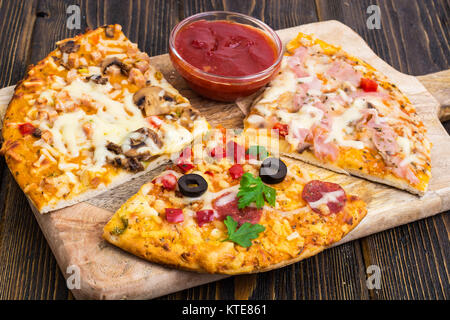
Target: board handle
{"type": "Point", "coordinates": [438, 84]}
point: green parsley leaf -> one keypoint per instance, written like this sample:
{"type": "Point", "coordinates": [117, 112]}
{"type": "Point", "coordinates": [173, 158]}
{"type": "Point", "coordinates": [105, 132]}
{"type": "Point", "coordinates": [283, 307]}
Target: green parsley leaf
{"type": "Point", "coordinates": [118, 231]}
{"type": "Point", "coordinates": [244, 234]}
{"type": "Point", "coordinates": [260, 152]}
{"type": "Point", "coordinates": [270, 194]}
{"type": "Point", "coordinates": [252, 189]}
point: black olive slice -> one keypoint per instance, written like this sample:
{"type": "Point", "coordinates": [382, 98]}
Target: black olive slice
{"type": "Point", "coordinates": [192, 185]}
{"type": "Point", "coordinates": [272, 171]}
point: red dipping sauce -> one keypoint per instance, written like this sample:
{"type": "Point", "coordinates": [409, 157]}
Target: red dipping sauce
{"type": "Point", "coordinates": [222, 59]}
{"type": "Point", "coordinates": [225, 48]}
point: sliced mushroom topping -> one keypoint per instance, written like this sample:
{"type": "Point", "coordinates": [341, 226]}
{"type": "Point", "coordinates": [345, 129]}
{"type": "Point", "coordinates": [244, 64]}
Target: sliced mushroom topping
{"type": "Point", "coordinates": [146, 156]}
{"type": "Point", "coordinates": [109, 31]}
{"type": "Point", "coordinates": [292, 107]}
{"type": "Point", "coordinates": [152, 135]}
{"type": "Point", "coordinates": [132, 153]}
{"type": "Point", "coordinates": [65, 65]}
{"type": "Point", "coordinates": [140, 96]}
{"type": "Point", "coordinates": [117, 162]}
{"type": "Point", "coordinates": [68, 47]}
{"type": "Point", "coordinates": [136, 143]}
{"type": "Point", "coordinates": [114, 147]}
{"type": "Point", "coordinates": [305, 146]}
{"type": "Point", "coordinates": [152, 102]}
{"type": "Point", "coordinates": [131, 164]}
{"type": "Point", "coordinates": [134, 165]}
{"type": "Point", "coordinates": [188, 116]}
{"type": "Point", "coordinates": [37, 133]}
{"type": "Point", "coordinates": [114, 61]}
{"type": "Point", "coordinates": [98, 79]}
{"type": "Point", "coordinates": [61, 62]}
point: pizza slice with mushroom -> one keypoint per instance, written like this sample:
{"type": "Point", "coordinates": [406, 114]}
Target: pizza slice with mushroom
{"type": "Point", "coordinates": [91, 115]}
{"type": "Point", "coordinates": [238, 210]}
{"type": "Point", "coordinates": [335, 111]}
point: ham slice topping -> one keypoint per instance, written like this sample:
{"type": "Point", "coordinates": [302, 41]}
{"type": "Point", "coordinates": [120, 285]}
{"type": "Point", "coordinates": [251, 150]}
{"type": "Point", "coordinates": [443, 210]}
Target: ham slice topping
{"type": "Point", "coordinates": [384, 139]}
{"type": "Point", "coordinates": [405, 171]}
{"type": "Point", "coordinates": [341, 70]}
{"type": "Point", "coordinates": [310, 90]}
{"type": "Point", "coordinates": [324, 149]}
{"type": "Point", "coordinates": [204, 216]}
{"type": "Point", "coordinates": [295, 62]}
{"type": "Point", "coordinates": [174, 215]}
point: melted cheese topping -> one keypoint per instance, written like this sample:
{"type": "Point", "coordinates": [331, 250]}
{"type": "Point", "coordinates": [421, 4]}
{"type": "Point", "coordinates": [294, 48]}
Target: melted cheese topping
{"type": "Point", "coordinates": [113, 121]}
{"type": "Point", "coordinates": [342, 126]}
{"type": "Point", "coordinates": [175, 137]}
{"type": "Point", "coordinates": [284, 82]}
{"type": "Point", "coordinates": [208, 197]}
{"type": "Point", "coordinates": [305, 118]}
{"type": "Point", "coordinates": [405, 145]}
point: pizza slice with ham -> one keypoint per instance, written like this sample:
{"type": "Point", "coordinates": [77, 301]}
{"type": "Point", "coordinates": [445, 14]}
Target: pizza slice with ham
{"type": "Point", "coordinates": [93, 114]}
{"type": "Point", "coordinates": [239, 210]}
{"type": "Point", "coordinates": [335, 111]}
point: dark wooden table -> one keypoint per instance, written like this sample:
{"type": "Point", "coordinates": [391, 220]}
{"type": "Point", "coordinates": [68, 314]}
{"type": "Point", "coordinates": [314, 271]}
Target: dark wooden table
{"type": "Point", "coordinates": [414, 38]}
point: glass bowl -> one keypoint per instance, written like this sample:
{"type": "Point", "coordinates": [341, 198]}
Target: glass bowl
{"type": "Point", "coordinates": [224, 88]}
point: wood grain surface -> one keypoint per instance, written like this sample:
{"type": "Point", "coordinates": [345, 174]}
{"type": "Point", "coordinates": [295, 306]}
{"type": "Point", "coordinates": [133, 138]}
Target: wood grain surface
{"type": "Point", "coordinates": [413, 258]}
{"type": "Point", "coordinates": [438, 85]}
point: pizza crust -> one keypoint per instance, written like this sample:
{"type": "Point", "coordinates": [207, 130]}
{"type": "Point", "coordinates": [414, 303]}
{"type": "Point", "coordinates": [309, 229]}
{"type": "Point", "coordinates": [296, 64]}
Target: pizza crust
{"type": "Point", "coordinates": [126, 177]}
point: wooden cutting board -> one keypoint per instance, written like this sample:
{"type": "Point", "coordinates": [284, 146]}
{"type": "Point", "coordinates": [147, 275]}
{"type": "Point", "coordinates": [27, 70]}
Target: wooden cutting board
{"type": "Point", "coordinates": [106, 272]}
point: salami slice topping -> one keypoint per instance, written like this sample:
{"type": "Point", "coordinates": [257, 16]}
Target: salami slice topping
{"type": "Point", "coordinates": [324, 197]}
{"type": "Point", "coordinates": [227, 205]}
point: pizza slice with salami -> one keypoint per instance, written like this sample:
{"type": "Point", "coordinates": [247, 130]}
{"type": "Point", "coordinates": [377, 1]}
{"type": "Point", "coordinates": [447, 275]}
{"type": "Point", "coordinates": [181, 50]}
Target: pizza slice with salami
{"type": "Point", "coordinates": [335, 111]}
{"type": "Point", "coordinates": [238, 211]}
{"type": "Point", "coordinates": [91, 115]}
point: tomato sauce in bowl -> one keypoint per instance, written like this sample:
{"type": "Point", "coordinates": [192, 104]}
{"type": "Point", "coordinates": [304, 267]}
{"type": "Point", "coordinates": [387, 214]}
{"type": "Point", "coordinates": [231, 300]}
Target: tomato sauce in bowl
{"type": "Point", "coordinates": [225, 48]}
{"type": "Point", "coordinates": [223, 55]}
